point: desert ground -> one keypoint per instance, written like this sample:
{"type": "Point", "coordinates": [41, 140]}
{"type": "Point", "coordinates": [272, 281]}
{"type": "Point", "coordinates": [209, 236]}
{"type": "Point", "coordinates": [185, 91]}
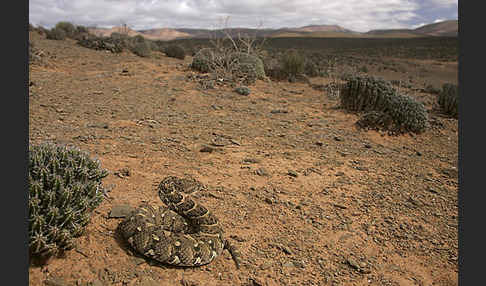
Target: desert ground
{"type": "Point", "coordinates": [306, 196]}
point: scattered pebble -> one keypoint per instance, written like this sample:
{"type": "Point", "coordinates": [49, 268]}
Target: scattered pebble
{"type": "Point", "coordinates": [120, 211]}
{"type": "Point", "coordinates": [292, 173]}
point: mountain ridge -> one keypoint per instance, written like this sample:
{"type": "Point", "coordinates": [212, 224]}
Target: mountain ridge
{"type": "Point", "coordinates": [447, 28]}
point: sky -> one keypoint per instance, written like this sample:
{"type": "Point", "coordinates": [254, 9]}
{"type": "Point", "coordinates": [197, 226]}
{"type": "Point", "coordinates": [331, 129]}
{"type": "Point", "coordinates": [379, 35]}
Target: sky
{"type": "Point", "coordinates": [355, 15]}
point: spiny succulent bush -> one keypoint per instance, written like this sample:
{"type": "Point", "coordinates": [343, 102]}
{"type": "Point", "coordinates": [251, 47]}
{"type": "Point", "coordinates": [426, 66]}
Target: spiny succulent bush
{"type": "Point", "coordinates": [64, 188]}
{"type": "Point", "coordinates": [448, 99]}
{"type": "Point", "coordinates": [175, 51]}
{"type": "Point", "coordinates": [375, 120]}
{"type": "Point", "coordinates": [362, 93]}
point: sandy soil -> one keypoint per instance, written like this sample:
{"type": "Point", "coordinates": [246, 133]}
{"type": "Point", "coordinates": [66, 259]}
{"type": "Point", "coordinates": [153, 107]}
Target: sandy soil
{"type": "Point", "coordinates": [307, 197]}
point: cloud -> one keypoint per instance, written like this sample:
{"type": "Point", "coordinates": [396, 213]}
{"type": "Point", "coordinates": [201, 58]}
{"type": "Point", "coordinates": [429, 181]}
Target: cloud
{"type": "Point", "coordinates": [357, 15]}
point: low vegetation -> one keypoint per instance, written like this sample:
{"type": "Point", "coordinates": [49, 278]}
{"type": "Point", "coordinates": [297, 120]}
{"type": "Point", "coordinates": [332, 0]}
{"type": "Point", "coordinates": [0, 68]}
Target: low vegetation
{"type": "Point", "coordinates": [64, 188]}
{"type": "Point", "coordinates": [448, 99]}
{"type": "Point", "coordinates": [390, 110]}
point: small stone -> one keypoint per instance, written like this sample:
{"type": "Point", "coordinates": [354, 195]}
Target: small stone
{"type": "Point", "coordinates": [206, 149]}
{"type": "Point", "coordinates": [353, 263]}
{"type": "Point", "coordinates": [55, 281]}
{"type": "Point", "coordinates": [299, 264]}
{"type": "Point", "coordinates": [367, 146]}
{"type": "Point", "coordinates": [120, 211]}
{"type": "Point", "coordinates": [288, 264]}
{"type": "Point", "coordinates": [292, 173]}
{"type": "Point", "coordinates": [97, 282]}
{"type": "Point", "coordinates": [279, 111]}
{"type": "Point", "coordinates": [337, 138]}
{"type": "Point", "coordinates": [251, 160]}
{"type": "Point", "coordinates": [265, 265]}
{"type": "Point", "coordinates": [261, 172]}
{"type": "Point", "coordinates": [319, 143]}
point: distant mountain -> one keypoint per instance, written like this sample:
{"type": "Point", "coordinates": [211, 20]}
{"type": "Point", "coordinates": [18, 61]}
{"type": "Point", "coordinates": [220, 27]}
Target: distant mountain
{"type": "Point", "coordinates": [321, 28]}
{"type": "Point", "coordinates": [164, 34]}
{"type": "Point", "coordinates": [446, 28]}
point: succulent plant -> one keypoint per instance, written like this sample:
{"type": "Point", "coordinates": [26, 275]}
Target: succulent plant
{"type": "Point", "coordinates": [374, 94]}
{"type": "Point", "coordinates": [449, 99]}
{"type": "Point", "coordinates": [202, 60]}
{"type": "Point", "coordinates": [243, 90]}
{"type": "Point", "coordinates": [64, 188]}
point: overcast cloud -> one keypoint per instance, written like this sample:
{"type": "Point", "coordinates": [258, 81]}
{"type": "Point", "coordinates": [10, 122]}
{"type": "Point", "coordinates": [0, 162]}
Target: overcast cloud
{"type": "Point", "coordinates": [356, 15]}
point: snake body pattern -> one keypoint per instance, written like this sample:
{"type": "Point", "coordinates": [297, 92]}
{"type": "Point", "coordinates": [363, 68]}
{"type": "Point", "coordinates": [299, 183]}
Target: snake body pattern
{"type": "Point", "coordinates": [184, 233]}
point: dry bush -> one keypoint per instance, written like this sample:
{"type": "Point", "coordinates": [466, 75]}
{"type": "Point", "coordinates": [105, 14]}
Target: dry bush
{"type": "Point", "coordinates": [233, 59]}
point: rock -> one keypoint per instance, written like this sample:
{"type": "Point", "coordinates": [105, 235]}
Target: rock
{"type": "Point", "coordinates": [120, 211]}
{"type": "Point", "coordinates": [275, 111]}
{"type": "Point", "coordinates": [251, 160]}
{"type": "Point", "coordinates": [299, 264]}
{"type": "Point", "coordinates": [123, 172]}
{"type": "Point", "coordinates": [55, 281]}
{"type": "Point", "coordinates": [265, 265]}
{"type": "Point", "coordinates": [351, 262]}
{"type": "Point", "coordinates": [292, 173]}
{"type": "Point", "coordinates": [97, 282]}
{"type": "Point", "coordinates": [261, 172]}
{"type": "Point", "coordinates": [288, 264]}
{"type": "Point", "coordinates": [147, 281]}
{"type": "Point", "coordinates": [207, 149]}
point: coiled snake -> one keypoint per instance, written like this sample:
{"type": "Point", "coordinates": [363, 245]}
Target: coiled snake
{"type": "Point", "coordinates": [184, 233]}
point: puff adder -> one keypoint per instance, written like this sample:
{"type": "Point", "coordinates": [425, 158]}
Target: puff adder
{"type": "Point", "coordinates": [182, 233]}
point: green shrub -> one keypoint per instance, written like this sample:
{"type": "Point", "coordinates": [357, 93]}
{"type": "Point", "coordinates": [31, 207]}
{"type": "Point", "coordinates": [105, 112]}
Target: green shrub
{"type": "Point", "coordinates": [100, 43]}
{"type": "Point", "coordinates": [202, 60]}
{"type": "Point", "coordinates": [81, 30]}
{"type": "Point", "coordinates": [373, 94]}
{"type": "Point", "coordinates": [243, 90]}
{"type": "Point", "coordinates": [67, 27]}
{"type": "Point", "coordinates": [175, 51]}
{"type": "Point", "coordinates": [56, 34]}
{"type": "Point", "coordinates": [448, 99]}
{"type": "Point", "coordinates": [138, 39]}
{"type": "Point", "coordinates": [292, 63]}
{"type": "Point", "coordinates": [141, 49]}
{"type": "Point", "coordinates": [64, 188]}
{"type": "Point", "coordinates": [246, 62]}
